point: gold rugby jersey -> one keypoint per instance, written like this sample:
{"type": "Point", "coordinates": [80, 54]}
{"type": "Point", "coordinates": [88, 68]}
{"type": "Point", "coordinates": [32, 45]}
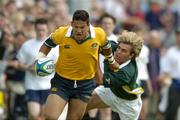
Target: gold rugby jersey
{"type": "Point", "coordinates": [78, 61]}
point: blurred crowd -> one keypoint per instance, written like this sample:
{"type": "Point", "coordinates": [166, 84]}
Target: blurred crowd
{"type": "Point", "coordinates": [158, 20]}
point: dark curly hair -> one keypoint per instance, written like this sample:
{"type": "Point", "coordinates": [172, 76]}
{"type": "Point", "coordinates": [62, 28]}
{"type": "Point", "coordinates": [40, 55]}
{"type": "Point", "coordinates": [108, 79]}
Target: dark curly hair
{"type": "Point", "coordinates": [81, 15]}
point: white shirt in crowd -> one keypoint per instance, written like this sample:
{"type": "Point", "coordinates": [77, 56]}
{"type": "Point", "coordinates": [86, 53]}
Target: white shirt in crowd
{"type": "Point", "coordinates": [142, 62]}
{"type": "Point", "coordinates": [171, 62]}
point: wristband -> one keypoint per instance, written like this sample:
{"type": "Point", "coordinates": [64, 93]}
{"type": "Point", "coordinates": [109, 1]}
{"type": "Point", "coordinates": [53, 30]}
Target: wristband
{"type": "Point", "coordinates": [112, 62]}
{"type": "Point", "coordinates": [111, 59]}
{"type": "Point", "coordinates": [108, 56]}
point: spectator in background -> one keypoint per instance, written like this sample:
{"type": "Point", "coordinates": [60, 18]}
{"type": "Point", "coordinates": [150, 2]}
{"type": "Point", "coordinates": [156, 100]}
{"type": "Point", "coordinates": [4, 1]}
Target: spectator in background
{"type": "Point", "coordinates": [172, 69]}
{"type": "Point", "coordinates": [169, 20]}
{"type": "Point", "coordinates": [37, 88]}
{"type": "Point", "coordinates": [30, 31]}
{"type": "Point", "coordinates": [2, 24]}
{"type": "Point", "coordinates": [135, 16]}
{"type": "Point", "coordinates": [6, 47]}
{"type": "Point", "coordinates": [167, 32]}
{"type": "Point", "coordinates": [60, 16]}
{"type": "Point", "coordinates": [173, 6]}
{"type": "Point", "coordinates": [154, 45]}
{"type": "Point", "coordinates": [152, 16]}
{"type": "Point", "coordinates": [15, 81]}
{"type": "Point", "coordinates": [117, 7]}
{"type": "Point", "coordinates": [143, 74]}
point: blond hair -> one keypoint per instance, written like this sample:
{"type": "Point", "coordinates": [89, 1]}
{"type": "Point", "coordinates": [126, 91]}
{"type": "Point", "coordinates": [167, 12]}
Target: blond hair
{"type": "Point", "coordinates": [132, 39]}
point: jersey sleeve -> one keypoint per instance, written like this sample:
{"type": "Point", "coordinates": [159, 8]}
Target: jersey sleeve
{"type": "Point", "coordinates": [56, 36]}
{"type": "Point", "coordinates": [50, 43]}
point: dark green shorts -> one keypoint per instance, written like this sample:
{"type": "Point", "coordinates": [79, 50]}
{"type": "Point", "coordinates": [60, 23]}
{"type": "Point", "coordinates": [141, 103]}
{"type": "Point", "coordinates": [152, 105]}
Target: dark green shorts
{"type": "Point", "coordinates": [68, 89]}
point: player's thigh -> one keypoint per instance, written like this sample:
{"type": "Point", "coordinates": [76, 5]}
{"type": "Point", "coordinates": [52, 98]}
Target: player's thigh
{"type": "Point", "coordinates": [54, 106]}
{"type": "Point", "coordinates": [34, 108]}
{"type": "Point", "coordinates": [76, 109]}
{"type": "Point", "coordinates": [96, 102]}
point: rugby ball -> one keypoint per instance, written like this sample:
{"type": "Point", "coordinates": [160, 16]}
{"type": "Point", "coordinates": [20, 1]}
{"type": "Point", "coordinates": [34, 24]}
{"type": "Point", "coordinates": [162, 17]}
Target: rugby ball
{"type": "Point", "coordinates": [44, 66]}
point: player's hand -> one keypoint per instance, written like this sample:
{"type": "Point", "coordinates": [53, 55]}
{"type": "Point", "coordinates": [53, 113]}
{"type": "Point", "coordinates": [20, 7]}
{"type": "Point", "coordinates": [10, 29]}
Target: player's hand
{"type": "Point", "coordinates": [114, 67]}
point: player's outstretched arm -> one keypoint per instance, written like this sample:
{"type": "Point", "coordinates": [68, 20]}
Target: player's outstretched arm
{"type": "Point", "coordinates": [107, 51]}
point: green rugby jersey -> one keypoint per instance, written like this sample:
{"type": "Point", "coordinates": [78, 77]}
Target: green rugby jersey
{"type": "Point", "coordinates": [126, 76]}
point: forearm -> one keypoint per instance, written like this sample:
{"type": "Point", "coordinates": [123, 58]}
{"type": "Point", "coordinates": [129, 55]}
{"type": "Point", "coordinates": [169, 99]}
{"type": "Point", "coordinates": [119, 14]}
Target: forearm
{"type": "Point", "coordinates": [22, 66]}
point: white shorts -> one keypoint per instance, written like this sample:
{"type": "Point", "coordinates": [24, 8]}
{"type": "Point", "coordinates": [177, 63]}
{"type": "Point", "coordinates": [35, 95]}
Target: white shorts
{"type": "Point", "coordinates": [127, 109]}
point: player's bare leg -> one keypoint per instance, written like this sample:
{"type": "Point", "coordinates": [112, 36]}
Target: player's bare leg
{"type": "Point", "coordinates": [54, 107]}
{"type": "Point", "coordinates": [76, 109]}
{"type": "Point", "coordinates": [34, 110]}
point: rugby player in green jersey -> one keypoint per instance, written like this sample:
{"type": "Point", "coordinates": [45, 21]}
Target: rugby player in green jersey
{"type": "Point", "coordinates": [120, 90]}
